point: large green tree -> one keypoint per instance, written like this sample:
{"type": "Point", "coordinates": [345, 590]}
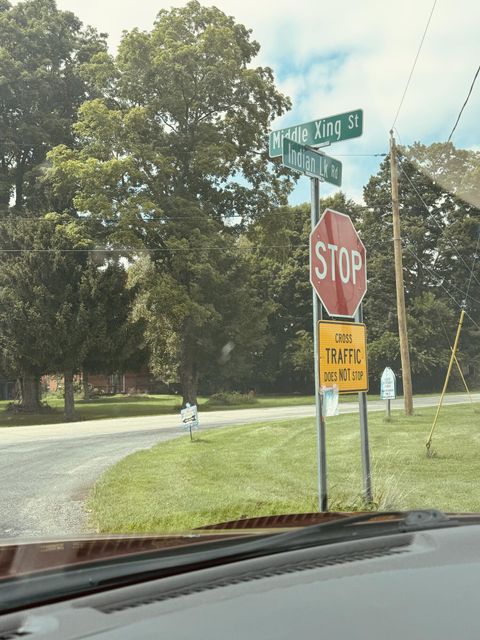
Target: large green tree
{"type": "Point", "coordinates": [42, 56]}
{"type": "Point", "coordinates": [281, 248]}
{"type": "Point", "coordinates": [60, 303]}
{"type": "Point", "coordinates": [440, 221]}
{"type": "Point", "coordinates": [116, 342]}
{"type": "Point", "coordinates": [176, 148]}
{"type": "Point", "coordinates": [218, 316]}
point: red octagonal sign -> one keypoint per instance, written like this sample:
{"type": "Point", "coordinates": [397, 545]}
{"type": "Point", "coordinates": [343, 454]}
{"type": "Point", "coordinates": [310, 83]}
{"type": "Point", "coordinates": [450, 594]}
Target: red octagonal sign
{"type": "Point", "coordinates": [338, 264]}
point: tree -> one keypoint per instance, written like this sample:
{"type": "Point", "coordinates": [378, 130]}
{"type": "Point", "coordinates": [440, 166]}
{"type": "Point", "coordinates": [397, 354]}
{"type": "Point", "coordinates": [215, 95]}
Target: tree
{"type": "Point", "coordinates": [439, 226]}
{"type": "Point", "coordinates": [42, 55]}
{"type": "Point", "coordinates": [281, 242]}
{"type": "Point", "coordinates": [46, 300]}
{"type": "Point", "coordinates": [42, 52]}
{"type": "Point", "coordinates": [218, 317]}
{"type": "Point", "coordinates": [116, 342]}
{"type": "Point", "coordinates": [173, 151]}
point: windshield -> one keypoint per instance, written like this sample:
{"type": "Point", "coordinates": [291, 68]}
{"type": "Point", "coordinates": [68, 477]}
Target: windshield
{"type": "Point", "coordinates": [239, 263]}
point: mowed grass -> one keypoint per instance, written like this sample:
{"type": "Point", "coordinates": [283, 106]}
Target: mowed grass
{"type": "Point", "coordinates": [117, 406]}
{"type": "Point", "coordinates": [270, 468]}
{"type": "Point", "coordinates": [121, 406]}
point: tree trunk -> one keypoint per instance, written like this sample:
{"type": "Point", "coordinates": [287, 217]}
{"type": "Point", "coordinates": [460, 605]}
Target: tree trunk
{"type": "Point", "coordinates": [189, 381]}
{"type": "Point", "coordinates": [19, 179]}
{"type": "Point", "coordinates": [86, 386]}
{"type": "Point", "coordinates": [38, 390]}
{"type": "Point", "coordinates": [69, 400]}
{"type": "Point", "coordinates": [30, 393]}
{"type": "Point", "coordinates": [4, 185]}
{"type": "Point", "coordinates": [18, 390]}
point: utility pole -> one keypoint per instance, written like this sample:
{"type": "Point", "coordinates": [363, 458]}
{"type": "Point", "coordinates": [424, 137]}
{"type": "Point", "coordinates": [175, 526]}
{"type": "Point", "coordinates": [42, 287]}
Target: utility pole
{"type": "Point", "coordinates": [401, 313]}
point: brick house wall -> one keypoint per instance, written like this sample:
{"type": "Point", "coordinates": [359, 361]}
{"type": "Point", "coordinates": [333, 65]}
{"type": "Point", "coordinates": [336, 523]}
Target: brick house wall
{"type": "Point", "coordinates": [128, 382]}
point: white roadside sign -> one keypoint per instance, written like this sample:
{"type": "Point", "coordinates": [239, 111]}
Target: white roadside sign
{"type": "Point", "coordinates": [189, 417]}
{"type": "Point", "coordinates": [388, 385]}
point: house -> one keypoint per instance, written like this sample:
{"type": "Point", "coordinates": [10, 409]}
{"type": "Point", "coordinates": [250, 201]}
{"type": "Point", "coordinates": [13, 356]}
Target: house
{"type": "Point", "coordinates": [106, 384]}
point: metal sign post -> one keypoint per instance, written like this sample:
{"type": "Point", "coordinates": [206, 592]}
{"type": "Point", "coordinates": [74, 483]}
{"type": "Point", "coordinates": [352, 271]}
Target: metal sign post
{"type": "Point", "coordinates": [317, 315]}
{"type": "Point", "coordinates": [365, 446]}
{"type": "Point", "coordinates": [347, 253]}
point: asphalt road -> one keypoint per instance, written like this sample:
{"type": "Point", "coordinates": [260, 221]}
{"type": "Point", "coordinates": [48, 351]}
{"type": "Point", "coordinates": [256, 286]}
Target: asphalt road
{"type": "Point", "coordinates": [46, 471]}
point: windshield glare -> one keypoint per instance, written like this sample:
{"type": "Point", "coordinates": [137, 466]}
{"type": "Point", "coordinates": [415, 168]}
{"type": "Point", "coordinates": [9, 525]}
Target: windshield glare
{"type": "Point", "coordinates": [239, 266]}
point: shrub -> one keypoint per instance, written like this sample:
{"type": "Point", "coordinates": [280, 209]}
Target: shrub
{"type": "Point", "coordinates": [230, 398]}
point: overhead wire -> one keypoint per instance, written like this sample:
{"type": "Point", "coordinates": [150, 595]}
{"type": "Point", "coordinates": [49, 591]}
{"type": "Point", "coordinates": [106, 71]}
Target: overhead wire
{"type": "Point", "coordinates": [432, 273]}
{"type": "Point", "coordinates": [439, 283]}
{"type": "Point", "coordinates": [464, 104]}
{"type": "Point", "coordinates": [475, 257]}
{"type": "Point", "coordinates": [438, 277]}
{"type": "Point", "coordinates": [359, 155]}
{"type": "Point", "coordinates": [143, 249]}
{"type": "Point", "coordinates": [451, 242]}
{"type": "Point", "coordinates": [414, 64]}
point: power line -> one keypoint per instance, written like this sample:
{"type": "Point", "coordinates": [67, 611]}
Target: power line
{"type": "Point", "coordinates": [451, 242]}
{"type": "Point", "coordinates": [414, 64]}
{"type": "Point", "coordinates": [439, 278]}
{"type": "Point", "coordinates": [465, 103]}
{"type": "Point", "coordinates": [292, 208]}
{"type": "Point", "coordinates": [475, 256]}
{"type": "Point", "coordinates": [432, 273]}
{"type": "Point", "coordinates": [359, 155]}
{"type": "Point", "coordinates": [146, 250]}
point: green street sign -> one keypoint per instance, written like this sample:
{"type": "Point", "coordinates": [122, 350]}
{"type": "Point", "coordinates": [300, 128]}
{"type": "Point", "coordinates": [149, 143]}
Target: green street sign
{"type": "Point", "coordinates": [322, 131]}
{"type": "Point", "coordinates": [311, 163]}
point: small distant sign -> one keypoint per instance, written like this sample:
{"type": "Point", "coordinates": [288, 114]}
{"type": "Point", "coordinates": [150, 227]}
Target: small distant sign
{"type": "Point", "coordinates": [388, 385]}
{"type": "Point", "coordinates": [330, 401]}
{"type": "Point", "coordinates": [189, 417]}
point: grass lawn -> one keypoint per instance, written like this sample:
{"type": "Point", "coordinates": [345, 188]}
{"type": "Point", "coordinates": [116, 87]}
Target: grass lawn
{"type": "Point", "coordinates": [118, 406]}
{"type": "Point", "coordinates": [271, 468]}
{"type": "Point", "coordinates": [121, 406]}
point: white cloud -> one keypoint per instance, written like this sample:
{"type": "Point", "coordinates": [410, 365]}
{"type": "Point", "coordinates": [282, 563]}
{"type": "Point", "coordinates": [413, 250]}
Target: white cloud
{"type": "Point", "coordinates": [379, 39]}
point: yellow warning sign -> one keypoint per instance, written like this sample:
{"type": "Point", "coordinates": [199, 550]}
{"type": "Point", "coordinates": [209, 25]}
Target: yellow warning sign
{"type": "Point", "coordinates": [342, 348]}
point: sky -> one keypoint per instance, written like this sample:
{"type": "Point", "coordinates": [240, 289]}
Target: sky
{"type": "Point", "coordinates": [332, 57]}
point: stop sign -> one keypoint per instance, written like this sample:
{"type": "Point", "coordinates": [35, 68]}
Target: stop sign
{"type": "Point", "coordinates": [338, 264]}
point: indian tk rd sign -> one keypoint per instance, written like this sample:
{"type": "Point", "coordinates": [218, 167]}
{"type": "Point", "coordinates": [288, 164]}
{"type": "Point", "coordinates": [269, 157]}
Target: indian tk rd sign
{"type": "Point", "coordinates": [319, 132]}
{"type": "Point", "coordinates": [311, 163]}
